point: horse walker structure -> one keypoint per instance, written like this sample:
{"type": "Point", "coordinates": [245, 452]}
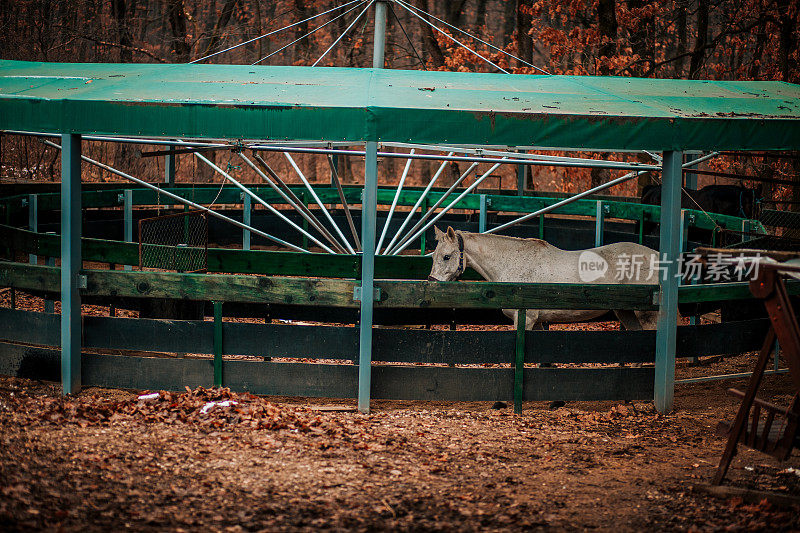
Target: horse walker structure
{"type": "Point", "coordinates": [475, 118]}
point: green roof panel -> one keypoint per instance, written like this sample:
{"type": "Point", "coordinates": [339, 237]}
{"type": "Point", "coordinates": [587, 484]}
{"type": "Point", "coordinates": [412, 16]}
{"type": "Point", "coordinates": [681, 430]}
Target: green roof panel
{"type": "Point", "coordinates": [335, 104]}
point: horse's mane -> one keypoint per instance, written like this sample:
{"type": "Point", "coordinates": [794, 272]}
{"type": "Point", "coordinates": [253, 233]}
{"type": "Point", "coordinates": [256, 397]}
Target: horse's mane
{"type": "Point", "coordinates": [528, 240]}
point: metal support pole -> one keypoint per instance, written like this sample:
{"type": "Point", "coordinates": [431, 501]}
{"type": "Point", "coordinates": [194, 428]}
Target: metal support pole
{"type": "Point", "coordinates": [669, 248]}
{"type": "Point", "coordinates": [127, 210]}
{"type": "Point", "coordinates": [599, 222]}
{"type": "Point", "coordinates": [169, 167]}
{"type": "Point", "coordinates": [33, 221]}
{"type": "Point", "coordinates": [246, 216]}
{"type": "Point", "coordinates": [70, 263]}
{"type": "Point", "coordinates": [482, 214]}
{"type": "Point", "coordinates": [368, 215]}
{"type": "Point", "coordinates": [49, 305]}
{"type": "Point", "coordinates": [522, 171]}
{"type": "Point", "coordinates": [776, 359]}
{"type": "Point", "coordinates": [217, 343]}
{"type": "Point", "coordinates": [690, 177]}
{"type": "Point", "coordinates": [380, 35]}
{"type": "Point", "coordinates": [334, 159]}
{"type": "Point", "coordinates": [519, 361]}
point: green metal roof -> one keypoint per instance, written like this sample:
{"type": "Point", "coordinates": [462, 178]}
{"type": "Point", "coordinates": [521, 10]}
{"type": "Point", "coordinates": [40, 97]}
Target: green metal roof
{"type": "Point", "coordinates": [334, 104]}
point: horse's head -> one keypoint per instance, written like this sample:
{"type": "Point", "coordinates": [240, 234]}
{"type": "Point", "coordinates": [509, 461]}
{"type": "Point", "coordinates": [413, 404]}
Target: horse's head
{"type": "Point", "coordinates": [448, 258]}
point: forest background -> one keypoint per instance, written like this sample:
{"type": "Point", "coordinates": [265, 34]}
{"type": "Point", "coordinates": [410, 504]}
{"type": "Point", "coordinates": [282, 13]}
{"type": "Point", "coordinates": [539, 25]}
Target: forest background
{"type": "Point", "coordinates": [689, 39]}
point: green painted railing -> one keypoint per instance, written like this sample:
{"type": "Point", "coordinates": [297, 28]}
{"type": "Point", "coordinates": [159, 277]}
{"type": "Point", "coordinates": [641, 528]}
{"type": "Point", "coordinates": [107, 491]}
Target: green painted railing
{"type": "Point", "coordinates": [625, 210]}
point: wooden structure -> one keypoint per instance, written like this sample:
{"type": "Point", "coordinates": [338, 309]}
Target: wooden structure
{"type": "Point", "coordinates": [369, 106]}
{"type": "Point", "coordinates": [762, 425]}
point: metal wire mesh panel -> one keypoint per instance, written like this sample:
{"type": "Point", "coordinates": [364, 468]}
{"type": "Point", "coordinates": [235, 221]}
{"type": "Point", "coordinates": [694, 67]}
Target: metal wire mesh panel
{"type": "Point", "coordinates": [174, 242]}
{"type": "Point", "coordinates": [776, 230]}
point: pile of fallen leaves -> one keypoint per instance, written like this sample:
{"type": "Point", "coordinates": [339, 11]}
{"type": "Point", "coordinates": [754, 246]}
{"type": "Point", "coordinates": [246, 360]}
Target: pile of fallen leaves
{"type": "Point", "coordinates": [210, 408]}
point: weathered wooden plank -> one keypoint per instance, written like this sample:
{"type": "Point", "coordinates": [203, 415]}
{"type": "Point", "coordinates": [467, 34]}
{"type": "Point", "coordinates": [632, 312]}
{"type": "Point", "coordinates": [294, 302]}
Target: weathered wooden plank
{"type": "Point", "coordinates": [30, 362]}
{"type": "Point", "coordinates": [726, 338]}
{"type": "Point", "coordinates": [334, 292]}
{"type": "Point", "coordinates": [516, 295]}
{"type": "Point", "coordinates": [30, 327]}
{"type": "Point", "coordinates": [145, 334]}
{"type": "Point", "coordinates": [717, 292]}
{"type": "Point", "coordinates": [316, 342]}
{"type": "Point", "coordinates": [336, 381]}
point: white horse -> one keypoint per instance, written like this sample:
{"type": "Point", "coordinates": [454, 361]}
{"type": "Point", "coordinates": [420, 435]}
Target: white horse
{"type": "Point", "coordinates": [500, 258]}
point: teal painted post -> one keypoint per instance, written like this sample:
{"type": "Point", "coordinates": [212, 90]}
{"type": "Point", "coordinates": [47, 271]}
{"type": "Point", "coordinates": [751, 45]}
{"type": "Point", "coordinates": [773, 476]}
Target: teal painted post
{"type": "Point", "coordinates": [519, 361]}
{"type": "Point", "coordinates": [127, 218]}
{"type": "Point", "coordinates": [521, 171]}
{"type": "Point", "coordinates": [599, 222]}
{"type": "Point", "coordinates": [669, 248]}
{"type": "Point", "coordinates": [169, 168]}
{"type": "Point", "coordinates": [217, 343]}
{"type": "Point", "coordinates": [482, 214]}
{"type": "Point", "coordinates": [368, 215]}
{"type": "Point", "coordinates": [305, 221]}
{"type": "Point", "coordinates": [33, 222]}
{"type": "Point", "coordinates": [334, 168]}
{"type": "Point", "coordinates": [642, 217]}
{"type": "Point", "coordinates": [422, 240]}
{"type": "Point", "coordinates": [541, 227]}
{"type": "Point", "coordinates": [70, 263]}
{"type": "Point", "coordinates": [246, 216]}
{"type": "Point", "coordinates": [49, 305]}
{"type": "Point", "coordinates": [690, 177]}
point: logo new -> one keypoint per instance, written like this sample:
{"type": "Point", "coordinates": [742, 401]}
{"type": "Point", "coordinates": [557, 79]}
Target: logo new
{"type": "Point", "coordinates": [591, 266]}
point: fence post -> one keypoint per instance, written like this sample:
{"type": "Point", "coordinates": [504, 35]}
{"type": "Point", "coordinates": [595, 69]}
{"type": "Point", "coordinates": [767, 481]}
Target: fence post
{"type": "Point", "coordinates": [691, 177]}
{"type": "Point", "coordinates": [246, 215]}
{"type": "Point", "coordinates": [33, 222]}
{"type": "Point", "coordinates": [169, 167]}
{"type": "Point", "coordinates": [217, 343]}
{"type": "Point", "coordinates": [669, 247]}
{"type": "Point", "coordinates": [422, 241]}
{"type": "Point", "coordinates": [49, 305]}
{"type": "Point", "coordinates": [482, 214]}
{"type": "Point", "coordinates": [519, 361]}
{"type": "Point", "coordinates": [599, 222]}
{"type": "Point", "coordinates": [369, 213]}
{"type": "Point", "coordinates": [70, 263]}
{"type": "Point", "coordinates": [127, 201]}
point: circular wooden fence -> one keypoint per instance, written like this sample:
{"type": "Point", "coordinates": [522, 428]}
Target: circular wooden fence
{"type": "Point", "coordinates": [281, 287]}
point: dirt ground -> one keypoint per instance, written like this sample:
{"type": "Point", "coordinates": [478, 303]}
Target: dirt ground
{"type": "Point", "coordinates": [106, 460]}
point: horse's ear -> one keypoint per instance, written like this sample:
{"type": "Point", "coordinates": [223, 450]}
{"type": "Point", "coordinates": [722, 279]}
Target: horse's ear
{"type": "Point", "coordinates": [451, 234]}
{"type": "Point", "coordinates": [438, 233]}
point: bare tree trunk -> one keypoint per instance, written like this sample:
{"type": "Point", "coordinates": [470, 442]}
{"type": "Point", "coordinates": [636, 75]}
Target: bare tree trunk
{"type": "Point", "coordinates": [454, 12]}
{"type": "Point", "coordinates": [430, 44]}
{"type": "Point", "coordinates": [758, 51]}
{"type": "Point", "coordinates": [787, 38]}
{"type": "Point", "coordinates": [524, 25]}
{"type": "Point", "coordinates": [301, 49]}
{"type": "Point", "coordinates": [698, 54]}
{"type": "Point", "coordinates": [642, 39]}
{"type": "Point", "coordinates": [222, 21]}
{"type": "Point", "coordinates": [607, 25]}
{"type": "Point", "coordinates": [680, 48]}
{"type": "Point", "coordinates": [177, 21]}
{"type": "Point", "coordinates": [119, 10]}
{"type": "Point", "coordinates": [510, 20]}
